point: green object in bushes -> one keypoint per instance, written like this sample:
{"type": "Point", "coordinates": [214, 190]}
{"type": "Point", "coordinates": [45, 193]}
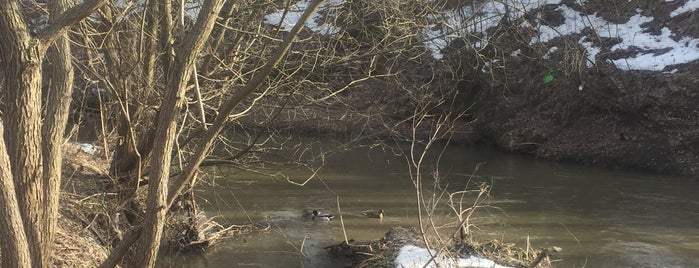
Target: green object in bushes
{"type": "Point", "coordinates": [548, 77]}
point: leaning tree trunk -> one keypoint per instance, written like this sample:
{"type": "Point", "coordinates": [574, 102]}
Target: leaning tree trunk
{"type": "Point", "coordinates": [166, 130]}
{"type": "Point", "coordinates": [15, 249]}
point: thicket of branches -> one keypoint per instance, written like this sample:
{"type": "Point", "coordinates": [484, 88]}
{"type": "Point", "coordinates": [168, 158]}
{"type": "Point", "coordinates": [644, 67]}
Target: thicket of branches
{"type": "Point", "coordinates": [173, 85]}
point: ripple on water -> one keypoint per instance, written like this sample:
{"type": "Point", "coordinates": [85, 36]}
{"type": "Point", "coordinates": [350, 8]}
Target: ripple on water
{"type": "Point", "coordinates": [641, 254]}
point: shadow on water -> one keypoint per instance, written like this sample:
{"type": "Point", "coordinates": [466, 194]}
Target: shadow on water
{"type": "Point", "coordinates": [601, 218]}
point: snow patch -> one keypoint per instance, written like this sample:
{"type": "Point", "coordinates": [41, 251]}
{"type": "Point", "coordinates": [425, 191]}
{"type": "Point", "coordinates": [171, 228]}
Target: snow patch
{"type": "Point", "coordinates": [474, 18]}
{"type": "Point", "coordinates": [646, 50]}
{"type": "Point", "coordinates": [573, 23]}
{"type": "Point", "coordinates": [655, 52]}
{"type": "Point", "coordinates": [649, 51]}
{"type": "Point", "coordinates": [548, 54]}
{"type": "Point", "coordinates": [689, 6]}
{"type": "Point", "coordinates": [416, 257]}
{"type": "Point", "coordinates": [592, 51]}
{"type": "Point", "coordinates": [88, 148]}
{"type": "Point", "coordinates": [516, 53]}
{"type": "Point", "coordinates": [294, 13]}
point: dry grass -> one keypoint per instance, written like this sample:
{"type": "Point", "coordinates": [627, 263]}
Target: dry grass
{"type": "Point", "coordinates": [78, 241]}
{"type": "Point", "coordinates": [76, 247]}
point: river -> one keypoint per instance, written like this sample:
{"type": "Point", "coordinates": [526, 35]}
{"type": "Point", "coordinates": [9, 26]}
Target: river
{"type": "Point", "coordinates": [600, 217]}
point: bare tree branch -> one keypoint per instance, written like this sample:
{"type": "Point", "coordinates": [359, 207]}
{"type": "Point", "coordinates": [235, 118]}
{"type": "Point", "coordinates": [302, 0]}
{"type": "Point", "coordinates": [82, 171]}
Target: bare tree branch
{"type": "Point", "coordinates": [68, 18]}
{"type": "Point", "coordinates": [209, 137]}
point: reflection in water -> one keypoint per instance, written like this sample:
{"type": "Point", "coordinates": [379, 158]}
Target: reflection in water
{"type": "Point", "coordinates": [600, 218]}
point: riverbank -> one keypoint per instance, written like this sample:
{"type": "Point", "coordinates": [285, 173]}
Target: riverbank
{"type": "Point", "coordinates": [586, 82]}
{"type": "Point", "coordinates": [632, 120]}
{"type": "Point", "coordinates": [560, 80]}
{"type": "Point", "coordinates": [629, 120]}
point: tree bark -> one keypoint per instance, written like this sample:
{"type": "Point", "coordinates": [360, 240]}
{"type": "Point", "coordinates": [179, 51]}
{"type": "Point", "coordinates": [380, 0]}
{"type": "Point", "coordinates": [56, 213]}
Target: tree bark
{"type": "Point", "coordinates": [15, 249]}
{"type": "Point", "coordinates": [22, 57]}
{"type": "Point", "coordinates": [57, 108]}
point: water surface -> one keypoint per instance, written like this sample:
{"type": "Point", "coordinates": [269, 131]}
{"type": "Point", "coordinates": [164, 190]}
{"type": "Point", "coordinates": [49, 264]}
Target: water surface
{"type": "Point", "coordinates": [601, 218]}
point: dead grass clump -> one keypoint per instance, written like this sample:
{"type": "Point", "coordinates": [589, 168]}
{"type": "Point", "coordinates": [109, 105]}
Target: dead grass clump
{"type": "Point", "coordinates": [377, 253]}
{"type": "Point", "coordinates": [76, 246]}
{"type": "Point", "coordinates": [512, 255]}
{"type": "Point", "coordinates": [382, 252]}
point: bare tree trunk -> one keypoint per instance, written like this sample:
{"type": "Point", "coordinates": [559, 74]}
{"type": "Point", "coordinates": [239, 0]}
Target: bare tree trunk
{"type": "Point", "coordinates": [58, 105]}
{"type": "Point", "coordinates": [15, 249]}
{"type": "Point", "coordinates": [178, 77]}
{"type": "Point", "coordinates": [165, 37]}
{"type": "Point", "coordinates": [126, 155]}
{"type": "Point", "coordinates": [22, 57]}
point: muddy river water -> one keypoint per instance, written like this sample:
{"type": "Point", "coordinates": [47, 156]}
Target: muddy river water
{"type": "Point", "coordinates": [600, 217]}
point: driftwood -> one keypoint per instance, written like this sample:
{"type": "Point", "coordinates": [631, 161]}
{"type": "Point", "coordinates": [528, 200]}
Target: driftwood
{"type": "Point", "coordinates": [191, 229]}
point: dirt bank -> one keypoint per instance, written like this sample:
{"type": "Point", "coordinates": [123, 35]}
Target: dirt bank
{"type": "Point", "coordinates": [648, 123]}
{"type": "Point", "coordinates": [624, 100]}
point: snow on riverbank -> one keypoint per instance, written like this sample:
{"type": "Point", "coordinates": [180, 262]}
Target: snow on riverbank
{"type": "Point", "coordinates": [642, 48]}
{"type": "Point", "coordinates": [288, 19]}
{"type": "Point", "coordinates": [416, 257]}
{"type": "Point", "coordinates": [647, 50]}
{"type": "Point", "coordinates": [86, 147]}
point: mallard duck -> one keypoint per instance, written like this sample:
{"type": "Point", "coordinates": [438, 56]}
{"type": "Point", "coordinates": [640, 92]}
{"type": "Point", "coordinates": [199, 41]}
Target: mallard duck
{"type": "Point", "coordinates": [318, 216]}
{"type": "Point", "coordinates": [374, 214]}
